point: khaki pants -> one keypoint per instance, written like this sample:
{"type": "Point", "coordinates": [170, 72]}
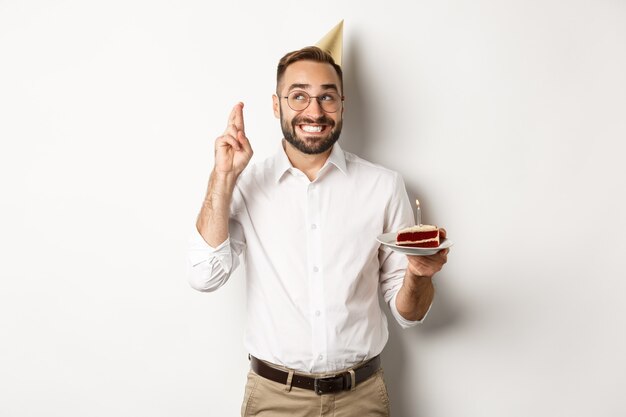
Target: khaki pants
{"type": "Point", "coordinates": [265, 398]}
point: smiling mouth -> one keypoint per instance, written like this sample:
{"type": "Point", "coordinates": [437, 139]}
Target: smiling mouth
{"type": "Point", "coordinates": [312, 128]}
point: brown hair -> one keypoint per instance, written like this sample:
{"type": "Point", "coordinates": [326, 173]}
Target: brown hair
{"type": "Point", "coordinates": [309, 53]}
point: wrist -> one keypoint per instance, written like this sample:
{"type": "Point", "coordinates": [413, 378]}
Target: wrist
{"type": "Point", "coordinates": [219, 190]}
{"type": "Point", "coordinates": [224, 177]}
{"type": "Point", "coordinates": [415, 283]}
{"type": "Point", "coordinates": [222, 183]}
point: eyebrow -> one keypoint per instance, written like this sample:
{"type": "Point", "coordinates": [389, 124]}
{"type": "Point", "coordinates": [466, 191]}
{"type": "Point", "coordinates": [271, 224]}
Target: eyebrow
{"type": "Point", "coordinates": [307, 86]}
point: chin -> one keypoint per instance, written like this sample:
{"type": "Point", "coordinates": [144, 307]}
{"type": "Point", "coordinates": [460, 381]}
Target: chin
{"type": "Point", "coordinates": [312, 145]}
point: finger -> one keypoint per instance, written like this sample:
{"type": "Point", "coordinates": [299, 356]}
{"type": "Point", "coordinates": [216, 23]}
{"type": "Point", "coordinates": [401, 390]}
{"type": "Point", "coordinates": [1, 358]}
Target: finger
{"type": "Point", "coordinates": [227, 140]}
{"type": "Point", "coordinates": [442, 233]}
{"type": "Point", "coordinates": [432, 264]}
{"type": "Point", "coordinates": [238, 121]}
{"type": "Point", "coordinates": [232, 130]}
{"type": "Point", "coordinates": [439, 257]}
{"type": "Point", "coordinates": [231, 118]}
{"type": "Point", "coordinates": [244, 142]}
{"type": "Point", "coordinates": [434, 261]}
{"type": "Point", "coordinates": [444, 256]}
{"type": "Point", "coordinates": [422, 262]}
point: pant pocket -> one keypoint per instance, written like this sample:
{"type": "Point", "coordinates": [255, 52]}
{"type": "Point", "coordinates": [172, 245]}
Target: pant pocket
{"type": "Point", "coordinates": [382, 387]}
{"type": "Point", "coordinates": [248, 396]}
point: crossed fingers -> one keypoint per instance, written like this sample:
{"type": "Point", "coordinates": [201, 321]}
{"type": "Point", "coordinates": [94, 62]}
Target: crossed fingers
{"type": "Point", "coordinates": [235, 129]}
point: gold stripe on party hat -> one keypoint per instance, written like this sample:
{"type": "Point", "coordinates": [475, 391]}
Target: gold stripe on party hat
{"type": "Point", "coordinates": [332, 42]}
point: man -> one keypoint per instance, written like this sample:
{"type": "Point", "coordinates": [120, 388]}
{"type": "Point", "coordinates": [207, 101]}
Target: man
{"type": "Point", "coordinates": [306, 221]}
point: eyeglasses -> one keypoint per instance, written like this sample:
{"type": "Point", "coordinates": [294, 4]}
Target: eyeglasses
{"type": "Point", "coordinates": [329, 102]}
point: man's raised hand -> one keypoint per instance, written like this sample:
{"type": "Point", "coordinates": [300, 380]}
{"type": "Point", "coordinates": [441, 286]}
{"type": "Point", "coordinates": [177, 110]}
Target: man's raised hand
{"type": "Point", "coordinates": [232, 149]}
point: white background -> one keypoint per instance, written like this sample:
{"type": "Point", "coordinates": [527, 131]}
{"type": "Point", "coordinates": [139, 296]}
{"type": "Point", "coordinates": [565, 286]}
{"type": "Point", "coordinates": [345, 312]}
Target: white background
{"type": "Point", "coordinates": [507, 120]}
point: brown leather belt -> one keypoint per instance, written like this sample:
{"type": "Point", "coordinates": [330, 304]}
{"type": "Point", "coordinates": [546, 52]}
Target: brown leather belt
{"type": "Point", "coordinates": [321, 385]}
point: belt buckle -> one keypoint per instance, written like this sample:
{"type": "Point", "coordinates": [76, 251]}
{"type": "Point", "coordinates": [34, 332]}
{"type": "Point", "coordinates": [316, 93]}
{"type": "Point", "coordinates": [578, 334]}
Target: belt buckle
{"type": "Point", "coordinates": [327, 384]}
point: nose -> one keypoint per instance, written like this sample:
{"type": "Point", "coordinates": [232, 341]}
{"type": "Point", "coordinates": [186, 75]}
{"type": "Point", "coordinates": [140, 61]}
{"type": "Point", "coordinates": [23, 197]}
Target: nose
{"type": "Point", "coordinates": [314, 109]}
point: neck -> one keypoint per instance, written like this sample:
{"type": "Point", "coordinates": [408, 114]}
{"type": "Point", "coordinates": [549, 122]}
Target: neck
{"type": "Point", "coordinates": [309, 164]}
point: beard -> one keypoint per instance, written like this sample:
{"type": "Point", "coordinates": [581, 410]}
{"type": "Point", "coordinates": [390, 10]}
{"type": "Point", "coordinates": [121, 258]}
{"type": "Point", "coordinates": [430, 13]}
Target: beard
{"type": "Point", "coordinates": [316, 144]}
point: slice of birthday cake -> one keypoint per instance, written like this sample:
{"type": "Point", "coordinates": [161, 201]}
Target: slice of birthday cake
{"type": "Point", "coordinates": [421, 236]}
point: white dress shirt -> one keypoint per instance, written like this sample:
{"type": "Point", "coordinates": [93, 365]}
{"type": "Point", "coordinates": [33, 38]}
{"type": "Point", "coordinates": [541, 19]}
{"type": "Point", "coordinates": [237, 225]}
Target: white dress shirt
{"type": "Point", "coordinates": [313, 266]}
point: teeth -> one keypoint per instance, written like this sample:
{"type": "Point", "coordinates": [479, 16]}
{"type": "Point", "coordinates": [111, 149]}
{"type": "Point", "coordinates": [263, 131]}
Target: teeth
{"type": "Point", "coordinates": [309, 128]}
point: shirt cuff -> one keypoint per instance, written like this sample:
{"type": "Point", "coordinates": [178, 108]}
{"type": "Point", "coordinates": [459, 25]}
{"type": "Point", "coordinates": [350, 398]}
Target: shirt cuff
{"type": "Point", "coordinates": [404, 323]}
{"type": "Point", "coordinates": [200, 251]}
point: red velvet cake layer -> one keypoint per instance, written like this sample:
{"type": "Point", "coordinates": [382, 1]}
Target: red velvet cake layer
{"type": "Point", "coordinates": [417, 236]}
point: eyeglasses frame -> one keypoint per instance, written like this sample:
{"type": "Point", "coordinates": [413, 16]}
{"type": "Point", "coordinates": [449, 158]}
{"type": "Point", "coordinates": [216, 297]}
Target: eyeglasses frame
{"type": "Point", "coordinates": [318, 102]}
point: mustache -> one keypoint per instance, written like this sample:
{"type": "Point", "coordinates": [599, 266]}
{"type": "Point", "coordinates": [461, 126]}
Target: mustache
{"type": "Point", "coordinates": [322, 120]}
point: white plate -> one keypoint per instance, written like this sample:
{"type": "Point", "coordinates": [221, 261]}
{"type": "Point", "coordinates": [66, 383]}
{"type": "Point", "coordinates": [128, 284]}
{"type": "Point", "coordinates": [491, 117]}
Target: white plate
{"type": "Point", "coordinates": [389, 240]}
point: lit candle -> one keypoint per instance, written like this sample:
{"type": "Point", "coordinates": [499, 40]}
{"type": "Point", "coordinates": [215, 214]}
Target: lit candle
{"type": "Point", "coordinates": [418, 213]}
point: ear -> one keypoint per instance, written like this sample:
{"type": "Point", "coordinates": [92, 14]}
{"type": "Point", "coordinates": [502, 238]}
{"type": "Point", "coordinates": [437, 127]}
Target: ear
{"type": "Point", "coordinates": [275, 106]}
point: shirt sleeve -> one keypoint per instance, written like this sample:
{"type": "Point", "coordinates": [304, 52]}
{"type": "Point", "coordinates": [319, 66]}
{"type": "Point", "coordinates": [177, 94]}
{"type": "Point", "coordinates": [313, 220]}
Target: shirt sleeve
{"type": "Point", "coordinates": [393, 265]}
{"type": "Point", "coordinates": [209, 268]}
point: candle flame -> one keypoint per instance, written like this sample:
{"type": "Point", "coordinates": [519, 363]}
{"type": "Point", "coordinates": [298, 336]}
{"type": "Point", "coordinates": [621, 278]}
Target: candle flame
{"type": "Point", "coordinates": [418, 213]}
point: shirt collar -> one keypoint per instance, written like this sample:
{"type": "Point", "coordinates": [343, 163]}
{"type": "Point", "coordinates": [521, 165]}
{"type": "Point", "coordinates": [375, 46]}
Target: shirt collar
{"type": "Point", "coordinates": [282, 164]}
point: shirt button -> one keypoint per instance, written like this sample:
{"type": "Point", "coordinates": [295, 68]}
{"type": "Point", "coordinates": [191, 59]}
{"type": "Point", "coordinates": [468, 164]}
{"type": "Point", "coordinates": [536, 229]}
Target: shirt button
{"type": "Point", "coordinates": [315, 269]}
{"type": "Point", "coordinates": [320, 357]}
{"type": "Point", "coordinates": [317, 313]}
{"type": "Point", "coordinates": [313, 226]}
